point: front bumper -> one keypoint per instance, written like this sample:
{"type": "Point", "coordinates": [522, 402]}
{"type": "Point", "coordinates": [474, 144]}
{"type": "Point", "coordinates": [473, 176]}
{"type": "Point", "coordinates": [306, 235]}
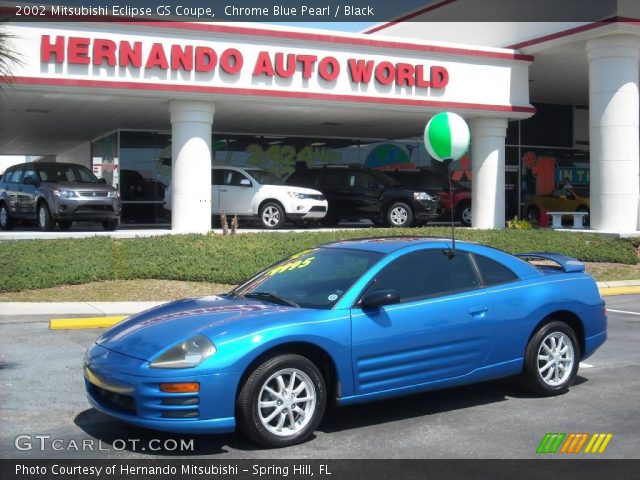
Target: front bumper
{"type": "Point", "coordinates": [427, 209]}
{"type": "Point", "coordinates": [125, 388]}
{"type": "Point", "coordinates": [307, 209]}
{"type": "Point", "coordinates": [86, 208]}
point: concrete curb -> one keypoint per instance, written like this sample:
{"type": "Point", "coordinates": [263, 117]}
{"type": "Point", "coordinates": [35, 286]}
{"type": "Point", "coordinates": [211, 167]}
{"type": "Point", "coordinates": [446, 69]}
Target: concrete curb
{"type": "Point", "coordinates": [70, 315]}
{"type": "Point", "coordinates": [16, 312]}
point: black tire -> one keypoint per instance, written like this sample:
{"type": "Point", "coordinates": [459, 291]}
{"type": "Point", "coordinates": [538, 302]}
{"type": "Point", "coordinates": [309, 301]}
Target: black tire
{"type": "Point", "coordinates": [248, 415]}
{"type": "Point", "coordinates": [533, 366]}
{"type": "Point", "coordinates": [331, 219]}
{"type": "Point", "coordinates": [533, 214]}
{"type": "Point", "coordinates": [64, 225]}
{"type": "Point", "coordinates": [6, 222]}
{"type": "Point", "coordinates": [463, 213]}
{"type": "Point", "coordinates": [45, 222]}
{"type": "Point", "coordinates": [111, 224]}
{"type": "Point", "coordinates": [399, 215]}
{"type": "Point", "coordinates": [586, 220]}
{"type": "Point", "coordinates": [272, 215]}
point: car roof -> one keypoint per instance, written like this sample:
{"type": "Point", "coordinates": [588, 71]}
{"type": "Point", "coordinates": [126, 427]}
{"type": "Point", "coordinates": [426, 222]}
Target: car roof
{"type": "Point", "coordinates": [388, 245]}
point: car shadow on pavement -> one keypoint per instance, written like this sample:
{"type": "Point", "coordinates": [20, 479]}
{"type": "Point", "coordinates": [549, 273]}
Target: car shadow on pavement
{"type": "Point", "coordinates": [428, 403]}
{"type": "Point", "coordinates": [109, 430]}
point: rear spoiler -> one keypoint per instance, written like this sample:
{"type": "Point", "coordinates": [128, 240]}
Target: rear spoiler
{"type": "Point", "coordinates": [568, 264]}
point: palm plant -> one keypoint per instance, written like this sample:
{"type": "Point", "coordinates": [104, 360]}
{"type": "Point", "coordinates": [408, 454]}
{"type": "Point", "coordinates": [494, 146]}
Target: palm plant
{"type": "Point", "coordinates": [8, 57]}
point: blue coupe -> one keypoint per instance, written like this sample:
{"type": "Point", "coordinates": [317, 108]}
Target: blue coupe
{"type": "Point", "coordinates": [349, 322]}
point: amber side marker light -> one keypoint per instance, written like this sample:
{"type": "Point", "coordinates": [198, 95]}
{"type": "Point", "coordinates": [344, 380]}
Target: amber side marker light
{"type": "Point", "coordinates": [193, 387]}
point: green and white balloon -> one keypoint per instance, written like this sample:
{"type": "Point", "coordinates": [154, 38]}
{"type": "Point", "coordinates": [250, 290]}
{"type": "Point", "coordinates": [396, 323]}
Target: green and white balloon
{"type": "Point", "coordinates": [447, 136]}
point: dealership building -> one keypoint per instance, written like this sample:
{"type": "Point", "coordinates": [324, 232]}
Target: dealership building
{"type": "Point", "coordinates": [152, 104]}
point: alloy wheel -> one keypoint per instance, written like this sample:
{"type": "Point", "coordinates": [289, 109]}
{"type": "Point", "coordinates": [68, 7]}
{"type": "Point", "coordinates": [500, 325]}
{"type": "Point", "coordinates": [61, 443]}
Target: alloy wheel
{"type": "Point", "coordinates": [4, 216]}
{"type": "Point", "coordinates": [287, 402]}
{"type": "Point", "coordinates": [399, 216]}
{"type": "Point", "coordinates": [555, 359]}
{"type": "Point", "coordinates": [271, 216]}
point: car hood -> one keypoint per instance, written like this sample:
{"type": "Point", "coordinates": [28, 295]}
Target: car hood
{"type": "Point", "coordinates": [144, 335]}
{"type": "Point", "coordinates": [94, 187]}
{"type": "Point", "coordinates": [292, 188]}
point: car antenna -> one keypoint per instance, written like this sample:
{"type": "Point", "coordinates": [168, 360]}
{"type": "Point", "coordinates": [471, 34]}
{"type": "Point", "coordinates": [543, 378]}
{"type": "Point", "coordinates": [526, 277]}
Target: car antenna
{"type": "Point", "coordinates": [447, 138]}
{"type": "Point", "coordinates": [452, 251]}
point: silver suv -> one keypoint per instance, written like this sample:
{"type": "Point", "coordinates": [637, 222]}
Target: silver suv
{"type": "Point", "coordinates": [59, 193]}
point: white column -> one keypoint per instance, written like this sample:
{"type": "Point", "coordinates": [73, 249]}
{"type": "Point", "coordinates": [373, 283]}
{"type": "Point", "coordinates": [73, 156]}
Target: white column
{"type": "Point", "coordinates": [613, 131]}
{"type": "Point", "coordinates": [487, 171]}
{"type": "Point", "coordinates": [191, 171]}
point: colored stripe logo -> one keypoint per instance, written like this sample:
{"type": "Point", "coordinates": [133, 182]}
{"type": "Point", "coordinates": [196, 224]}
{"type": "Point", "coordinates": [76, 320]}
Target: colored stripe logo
{"type": "Point", "coordinates": [573, 443]}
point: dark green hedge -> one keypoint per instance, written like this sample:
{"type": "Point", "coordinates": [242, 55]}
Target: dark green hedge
{"type": "Point", "coordinates": [29, 264]}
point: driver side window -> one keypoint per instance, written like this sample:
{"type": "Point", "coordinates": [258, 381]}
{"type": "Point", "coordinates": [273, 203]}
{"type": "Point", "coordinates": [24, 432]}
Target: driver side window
{"type": "Point", "coordinates": [428, 273]}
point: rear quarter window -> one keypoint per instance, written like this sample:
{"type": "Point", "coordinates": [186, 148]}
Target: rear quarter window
{"type": "Point", "coordinates": [492, 272]}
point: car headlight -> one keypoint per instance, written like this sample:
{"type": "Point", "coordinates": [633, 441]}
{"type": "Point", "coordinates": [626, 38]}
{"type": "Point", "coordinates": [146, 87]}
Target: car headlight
{"type": "Point", "coordinates": [189, 353]}
{"type": "Point", "coordinates": [65, 193]}
{"type": "Point", "coordinates": [422, 196]}
{"type": "Point", "coordinates": [299, 196]}
{"type": "Point", "coordinates": [114, 194]}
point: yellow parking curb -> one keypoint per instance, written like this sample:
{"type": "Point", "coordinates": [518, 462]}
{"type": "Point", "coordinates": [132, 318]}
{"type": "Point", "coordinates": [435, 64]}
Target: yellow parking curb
{"type": "Point", "coordinates": [80, 323]}
{"type": "Point", "coordinates": [608, 291]}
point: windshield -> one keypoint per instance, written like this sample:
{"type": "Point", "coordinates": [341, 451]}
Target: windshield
{"type": "Point", "coordinates": [265, 178]}
{"type": "Point", "coordinates": [64, 172]}
{"type": "Point", "coordinates": [315, 278]}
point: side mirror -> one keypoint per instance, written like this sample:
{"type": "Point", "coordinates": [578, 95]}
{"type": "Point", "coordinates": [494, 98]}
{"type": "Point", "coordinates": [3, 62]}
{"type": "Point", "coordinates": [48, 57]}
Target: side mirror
{"type": "Point", "coordinates": [102, 180]}
{"type": "Point", "coordinates": [245, 183]}
{"type": "Point", "coordinates": [29, 181]}
{"type": "Point", "coordinates": [379, 298]}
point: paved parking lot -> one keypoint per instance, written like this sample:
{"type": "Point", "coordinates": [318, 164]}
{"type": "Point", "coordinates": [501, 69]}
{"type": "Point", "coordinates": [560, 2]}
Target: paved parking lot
{"type": "Point", "coordinates": [41, 393]}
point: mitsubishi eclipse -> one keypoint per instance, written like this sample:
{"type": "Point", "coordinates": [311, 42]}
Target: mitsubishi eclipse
{"type": "Point", "coordinates": [347, 322]}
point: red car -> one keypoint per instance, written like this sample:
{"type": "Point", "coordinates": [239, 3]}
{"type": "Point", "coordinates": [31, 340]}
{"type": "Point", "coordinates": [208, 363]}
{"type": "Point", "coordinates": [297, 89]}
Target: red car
{"type": "Point", "coordinates": [437, 183]}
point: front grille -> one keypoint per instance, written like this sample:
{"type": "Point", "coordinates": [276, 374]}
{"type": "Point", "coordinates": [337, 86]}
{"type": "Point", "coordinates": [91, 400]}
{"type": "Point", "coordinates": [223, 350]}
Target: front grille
{"type": "Point", "coordinates": [85, 193]}
{"type": "Point", "coordinates": [318, 208]}
{"type": "Point", "coordinates": [94, 208]}
{"type": "Point", "coordinates": [113, 400]}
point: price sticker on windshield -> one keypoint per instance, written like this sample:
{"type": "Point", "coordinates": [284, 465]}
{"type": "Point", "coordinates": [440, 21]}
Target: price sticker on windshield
{"type": "Point", "coordinates": [295, 265]}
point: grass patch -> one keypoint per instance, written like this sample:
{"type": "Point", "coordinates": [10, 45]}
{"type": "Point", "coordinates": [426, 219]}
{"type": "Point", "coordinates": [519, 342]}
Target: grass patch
{"type": "Point", "coordinates": [37, 264]}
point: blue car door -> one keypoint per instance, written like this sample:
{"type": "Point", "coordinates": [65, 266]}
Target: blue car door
{"type": "Point", "coordinates": [442, 327]}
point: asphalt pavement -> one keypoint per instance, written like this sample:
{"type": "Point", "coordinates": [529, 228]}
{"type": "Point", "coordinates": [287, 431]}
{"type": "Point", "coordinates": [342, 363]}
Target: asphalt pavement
{"type": "Point", "coordinates": [44, 413]}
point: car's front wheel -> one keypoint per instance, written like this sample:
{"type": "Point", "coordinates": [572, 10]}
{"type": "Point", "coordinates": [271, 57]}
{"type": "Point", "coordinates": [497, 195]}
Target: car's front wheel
{"type": "Point", "coordinates": [282, 401]}
{"type": "Point", "coordinates": [551, 359]}
{"type": "Point", "coordinates": [6, 223]}
{"type": "Point", "coordinates": [272, 215]}
{"type": "Point", "coordinates": [399, 215]}
{"type": "Point", "coordinates": [111, 224]}
{"type": "Point", "coordinates": [45, 222]}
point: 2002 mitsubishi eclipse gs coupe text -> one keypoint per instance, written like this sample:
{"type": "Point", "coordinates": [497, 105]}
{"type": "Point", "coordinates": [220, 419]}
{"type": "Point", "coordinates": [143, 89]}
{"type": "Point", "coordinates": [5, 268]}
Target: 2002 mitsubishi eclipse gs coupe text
{"type": "Point", "coordinates": [350, 321]}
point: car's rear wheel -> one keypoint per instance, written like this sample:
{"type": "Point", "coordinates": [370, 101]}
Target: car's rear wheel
{"type": "Point", "coordinates": [533, 214]}
{"type": "Point", "coordinates": [584, 209]}
{"type": "Point", "coordinates": [551, 359]}
{"type": "Point", "coordinates": [399, 215]}
{"type": "Point", "coordinates": [111, 224]}
{"type": "Point", "coordinates": [282, 401]}
{"type": "Point", "coordinates": [272, 215]}
{"type": "Point", "coordinates": [45, 222]}
{"type": "Point", "coordinates": [6, 222]}
{"type": "Point", "coordinates": [463, 213]}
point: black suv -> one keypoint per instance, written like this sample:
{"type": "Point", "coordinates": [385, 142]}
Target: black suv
{"type": "Point", "coordinates": [356, 193]}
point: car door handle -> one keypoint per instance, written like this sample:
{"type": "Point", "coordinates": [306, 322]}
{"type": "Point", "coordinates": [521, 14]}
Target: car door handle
{"type": "Point", "coordinates": [223, 189]}
{"type": "Point", "coordinates": [478, 311]}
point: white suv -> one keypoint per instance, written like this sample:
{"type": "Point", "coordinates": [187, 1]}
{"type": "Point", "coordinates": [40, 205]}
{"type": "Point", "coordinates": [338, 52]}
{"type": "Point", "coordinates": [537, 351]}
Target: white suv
{"type": "Point", "coordinates": [251, 192]}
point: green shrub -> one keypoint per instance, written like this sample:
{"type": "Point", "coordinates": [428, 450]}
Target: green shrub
{"type": "Point", "coordinates": [517, 224]}
{"type": "Point", "coordinates": [29, 264]}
